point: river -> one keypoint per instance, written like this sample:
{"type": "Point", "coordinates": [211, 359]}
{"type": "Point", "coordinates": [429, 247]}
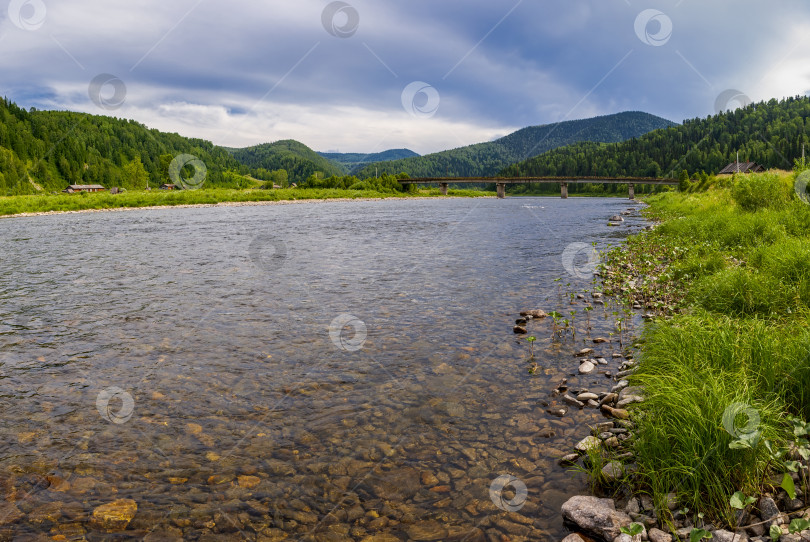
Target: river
{"type": "Point", "coordinates": [322, 371]}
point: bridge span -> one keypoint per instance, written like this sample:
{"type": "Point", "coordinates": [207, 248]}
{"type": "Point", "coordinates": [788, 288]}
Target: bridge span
{"type": "Point", "coordinates": [501, 182]}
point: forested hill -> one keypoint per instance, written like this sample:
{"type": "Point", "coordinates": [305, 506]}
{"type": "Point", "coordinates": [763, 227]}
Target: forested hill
{"type": "Point", "coordinates": [769, 133]}
{"type": "Point", "coordinates": [486, 159]}
{"type": "Point", "coordinates": [354, 162]}
{"type": "Point", "coordinates": [296, 158]}
{"type": "Point", "coordinates": [47, 150]}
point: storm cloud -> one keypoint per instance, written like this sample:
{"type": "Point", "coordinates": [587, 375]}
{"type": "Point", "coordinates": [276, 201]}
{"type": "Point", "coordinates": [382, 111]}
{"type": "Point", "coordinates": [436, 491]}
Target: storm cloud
{"type": "Point", "coordinates": [332, 74]}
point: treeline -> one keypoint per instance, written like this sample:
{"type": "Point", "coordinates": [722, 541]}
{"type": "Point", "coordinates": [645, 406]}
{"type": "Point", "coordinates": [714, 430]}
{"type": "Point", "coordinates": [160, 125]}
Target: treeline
{"type": "Point", "coordinates": [386, 184]}
{"type": "Point", "coordinates": [46, 150]}
{"type": "Point", "coordinates": [486, 159]}
{"type": "Point", "coordinates": [770, 133]}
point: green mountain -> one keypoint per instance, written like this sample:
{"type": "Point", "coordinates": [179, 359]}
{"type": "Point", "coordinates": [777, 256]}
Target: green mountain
{"type": "Point", "coordinates": [354, 162]}
{"type": "Point", "coordinates": [47, 150]}
{"type": "Point", "coordinates": [770, 133]}
{"type": "Point", "coordinates": [487, 159]}
{"type": "Point", "coordinates": [296, 158]}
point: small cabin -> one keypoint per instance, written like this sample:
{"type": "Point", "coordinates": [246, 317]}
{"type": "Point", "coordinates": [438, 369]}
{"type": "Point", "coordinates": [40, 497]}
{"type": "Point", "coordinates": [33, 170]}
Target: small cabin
{"type": "Point", "coordinates": [168, 187]}
{"type": "Point", "coordinates": [276, 186]}
{"type": "Point", "coordinates": [742, 167]}
{"type": "Point", "coordinates": [293, 185]}
{"type": "Point", "coordinates": [74, 188]}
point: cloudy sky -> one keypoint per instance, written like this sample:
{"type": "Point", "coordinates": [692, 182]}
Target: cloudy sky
{"type": "Point", "coordinates": [368, 75]}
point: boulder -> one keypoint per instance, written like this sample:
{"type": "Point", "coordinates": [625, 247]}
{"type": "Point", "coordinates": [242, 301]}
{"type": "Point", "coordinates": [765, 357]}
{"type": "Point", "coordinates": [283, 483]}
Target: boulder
{"type": "Point", "coordinates": [657, 535]}
{"type": "Point", "coordinates": [114, 516]}
{"type": "Point", "coordinates": [587, 368]}
{"type": "Point", "coordinates": [537, 313]}
{"type": "Point", "coordinates": [588, 443]}
{"type": "Point", "coordinates": [568, 460]}
{"type": "Point", "coordinates": [572, 401]}
{"type": "Point", "coordinates": [520, 330]}
{"type": "Point", "coordinates": [768, 509]}
{"type": "Point", "coordinates": [596, 516]}
{"type": "Point", "coordinates": [613, 471]}
{"type": "Point", "coordinates": [728, 536]}
{"type": "Point", "coordinates": [617, 413]}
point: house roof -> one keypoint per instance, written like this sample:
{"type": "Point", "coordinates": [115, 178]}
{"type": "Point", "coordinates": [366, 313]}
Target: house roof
{"type": "Point", "coordinates": [86, 187]}
{"type": "Point", "coordinates": [744, 167]}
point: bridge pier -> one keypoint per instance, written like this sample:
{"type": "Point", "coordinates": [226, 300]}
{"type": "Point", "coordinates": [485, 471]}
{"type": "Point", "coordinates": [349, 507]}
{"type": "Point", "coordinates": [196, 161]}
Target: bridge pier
{"type": "Point", "coordinates": [564, 190]}
{"type": "Point", "coordinates": [632, 191]}
{"type": "Point", "coordinates": [443, 188]}
{"type": "Point", "coordinates": [501, 188]}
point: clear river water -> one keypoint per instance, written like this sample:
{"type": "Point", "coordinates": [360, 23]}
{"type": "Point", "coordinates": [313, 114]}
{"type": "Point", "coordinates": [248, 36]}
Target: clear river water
{"type": "Point", "coordinates": [317, 371]}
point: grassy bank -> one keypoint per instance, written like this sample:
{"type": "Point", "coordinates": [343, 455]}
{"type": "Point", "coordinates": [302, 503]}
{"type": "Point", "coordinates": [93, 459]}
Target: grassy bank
{"type": "Point", "coordinates": [727, 363]}
{"type": "Point", "coordinates": [79, 202]}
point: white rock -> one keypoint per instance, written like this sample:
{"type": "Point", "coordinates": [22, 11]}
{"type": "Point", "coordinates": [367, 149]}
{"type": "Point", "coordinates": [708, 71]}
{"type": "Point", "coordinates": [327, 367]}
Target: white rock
{"type": "Point", "coordinates": [588, 443]}
{"type": "Point", "coordinates": [587, 368]}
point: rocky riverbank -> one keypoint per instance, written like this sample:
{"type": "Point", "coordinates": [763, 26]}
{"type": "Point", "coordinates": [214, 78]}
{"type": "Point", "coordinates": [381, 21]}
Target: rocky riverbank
{"type": "Point", "coordinates": [629, 513]}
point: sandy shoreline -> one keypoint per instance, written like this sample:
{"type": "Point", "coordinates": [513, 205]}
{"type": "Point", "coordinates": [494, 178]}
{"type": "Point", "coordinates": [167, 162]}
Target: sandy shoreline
{"type": "Point", "coordinates": [230, 204]}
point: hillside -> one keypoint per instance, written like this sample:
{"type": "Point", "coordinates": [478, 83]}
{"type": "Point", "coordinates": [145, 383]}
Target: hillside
{"type": "Point", "coordinates": [487, 159]}
{"type": "Point", "coordinates": [296, 158]}
{"type": "Point", "coordinates": [354, 162]}
{"type": "Point", "coordinates": [48, 150]}
{"type": "Point", "coordinates": [769, 133]}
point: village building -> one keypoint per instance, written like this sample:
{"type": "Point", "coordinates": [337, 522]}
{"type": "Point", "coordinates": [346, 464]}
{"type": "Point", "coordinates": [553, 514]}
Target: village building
{"type": "Point", "coordinates": [73, 188]}
{"type": "Point", "coordinates": [741, 167]}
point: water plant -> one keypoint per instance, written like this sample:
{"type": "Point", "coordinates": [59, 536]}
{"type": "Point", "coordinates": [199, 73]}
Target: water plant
{"type": "Point", "coordinates": [531, 341]}
{"type": "Point", "coordinates": [555, 320]}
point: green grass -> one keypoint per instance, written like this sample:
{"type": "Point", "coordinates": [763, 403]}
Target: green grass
{"type": "Point", "coordinates": [736, 278]}
{"type": "Point", "coordinates": [78, 202]}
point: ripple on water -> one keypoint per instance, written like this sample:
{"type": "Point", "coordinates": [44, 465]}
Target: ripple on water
{"type": "Point", "coordinates": [247, 417]}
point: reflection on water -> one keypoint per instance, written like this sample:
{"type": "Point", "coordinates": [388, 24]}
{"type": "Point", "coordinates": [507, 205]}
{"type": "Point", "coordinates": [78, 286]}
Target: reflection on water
{"type": "Point", "coordinates": [342, 371]}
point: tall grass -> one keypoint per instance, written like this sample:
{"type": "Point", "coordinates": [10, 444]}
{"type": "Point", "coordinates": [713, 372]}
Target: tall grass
{"type": "Point", "coordinates": [741, 338]}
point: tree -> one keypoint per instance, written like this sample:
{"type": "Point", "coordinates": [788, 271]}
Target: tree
{"type": "Point", "coordinates": [164, 162]}
{"type": "Point", "coordinates": [683, 181]}
{"type": "Point", "coordinates": [135, 175]}
{"type": "Point", "coordinates": [279, 177]}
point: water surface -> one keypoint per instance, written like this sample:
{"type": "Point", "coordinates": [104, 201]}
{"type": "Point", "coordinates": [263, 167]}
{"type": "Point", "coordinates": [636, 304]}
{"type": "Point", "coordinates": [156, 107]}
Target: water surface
{"type": "Point", "coordinates": [247, 420]}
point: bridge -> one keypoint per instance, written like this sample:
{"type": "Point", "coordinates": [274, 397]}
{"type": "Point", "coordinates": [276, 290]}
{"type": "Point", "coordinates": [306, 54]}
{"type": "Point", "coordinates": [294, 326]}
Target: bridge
{"type": "Point", "coordinates": [501, 182]}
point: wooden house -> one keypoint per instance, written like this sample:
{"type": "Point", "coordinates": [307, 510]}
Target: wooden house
{"type": "Point", "coordinates": [73, 188]}
{"type": "Point", "coordinates": [168, 187]}
{"type": "Point", "coordinates": [742, 167]}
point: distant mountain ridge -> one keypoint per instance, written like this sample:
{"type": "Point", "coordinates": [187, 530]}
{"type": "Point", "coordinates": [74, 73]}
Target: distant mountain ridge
{"type": "Point", "coordinates": [769, 133]}
{"type": "Point", "coordinates": [487, 159]}
{"type": "Point", "coordinates": [355, 161]}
